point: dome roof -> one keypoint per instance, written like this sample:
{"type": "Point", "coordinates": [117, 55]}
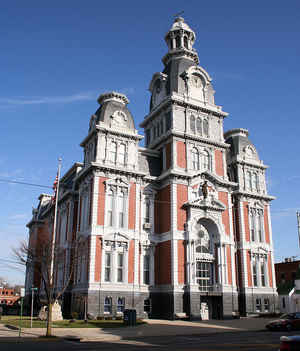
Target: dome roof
{"type": "Point", "coordinates": [180, 24]}
{"type": "Point", "coordinates": [113, 111]}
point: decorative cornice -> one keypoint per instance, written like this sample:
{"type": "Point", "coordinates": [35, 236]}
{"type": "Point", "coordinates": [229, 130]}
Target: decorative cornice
{"type": "Point", "coordinates": [179, 53]}
{"type": "Point", "coordinates": [254, 196]}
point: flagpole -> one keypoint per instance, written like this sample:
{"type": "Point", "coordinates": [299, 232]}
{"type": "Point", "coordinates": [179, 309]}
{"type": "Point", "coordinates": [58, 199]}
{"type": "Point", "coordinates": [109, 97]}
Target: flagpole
{"type": "Point", "coordinates": [298, 221]}
{"type": "Point", "coordinates": [54, 225]}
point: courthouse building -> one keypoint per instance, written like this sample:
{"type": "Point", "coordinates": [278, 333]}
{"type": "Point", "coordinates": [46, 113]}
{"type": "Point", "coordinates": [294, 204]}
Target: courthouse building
{"type": "Point", "coordinates": [178, 227]}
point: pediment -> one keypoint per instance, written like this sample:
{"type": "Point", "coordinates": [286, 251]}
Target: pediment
{"type": "Point", "coordinates": [119, 181]}
{"type": "Point", "coordinates": [116, 237]}
{"type": "Point", "coordinates": [206, 204]}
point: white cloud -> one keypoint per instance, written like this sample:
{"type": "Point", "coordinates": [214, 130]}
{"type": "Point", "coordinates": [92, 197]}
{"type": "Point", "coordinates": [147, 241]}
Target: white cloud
{"type": "Point", "coordinates": [49, 99]}
{"type": "Point", "coordinates": [284, 212]}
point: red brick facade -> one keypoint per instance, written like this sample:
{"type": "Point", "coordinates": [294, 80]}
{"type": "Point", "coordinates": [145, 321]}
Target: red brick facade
{"type": "Point", "coordinates": [246, 221]}
{"type": "Point", "coordinates": [131, 262]}
{"type": "Point", "coordinates": [181, 154]}
{"type": "Point", "coordinates": [132, 206]}
{"type": "Point", "coordinates": [182, 197]}
{"type": "Point", "coordinates": [181, 261]}
{"type": "Point", "coordinates": [98, 259]}
{"type": "Point", "coordinates": [266, 222]}
{"type": "Point", "coordinates": [219, 163]}
{"type": "Point", "coordinates": [223, 197]}
{"type": "Point", "coordinates": [163, 210]}
{"type": "Point", "coordinates": [101, 201]}
{"type": "Point", "coordinates": [163, 263]}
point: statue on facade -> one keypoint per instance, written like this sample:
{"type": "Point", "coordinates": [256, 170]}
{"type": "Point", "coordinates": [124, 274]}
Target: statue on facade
{"type": "Point", "coordinates": [204, 189]}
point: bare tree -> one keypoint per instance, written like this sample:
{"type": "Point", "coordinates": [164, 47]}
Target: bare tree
{"type": "Point", "coordinates": [38, 257]}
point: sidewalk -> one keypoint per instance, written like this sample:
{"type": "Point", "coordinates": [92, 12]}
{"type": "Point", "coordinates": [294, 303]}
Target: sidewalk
{"type": "Point", "coordinates": [154, 327]}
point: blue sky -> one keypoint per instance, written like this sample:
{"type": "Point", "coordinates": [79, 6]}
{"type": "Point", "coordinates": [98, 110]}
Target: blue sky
{"type": "Point", "coordinates": [58, 57]}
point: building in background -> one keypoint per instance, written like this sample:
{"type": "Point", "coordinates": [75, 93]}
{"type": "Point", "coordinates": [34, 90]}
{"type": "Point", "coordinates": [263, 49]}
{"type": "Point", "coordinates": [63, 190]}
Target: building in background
{"type": "Point", "coordinates": [8, 296]}
{"type": "Point", "coordinates": [179, 227]}
{"type": "Point", "coordinates": [287, 273]}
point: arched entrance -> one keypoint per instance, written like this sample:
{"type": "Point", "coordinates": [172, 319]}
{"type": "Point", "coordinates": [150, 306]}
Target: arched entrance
{"type": "Point", "coordinates": [207, 267]}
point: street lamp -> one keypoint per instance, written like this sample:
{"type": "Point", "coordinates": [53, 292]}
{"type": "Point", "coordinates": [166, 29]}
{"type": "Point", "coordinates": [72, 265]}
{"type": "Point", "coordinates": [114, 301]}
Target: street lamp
{"type": "Point", "coordinates": [32, 293]}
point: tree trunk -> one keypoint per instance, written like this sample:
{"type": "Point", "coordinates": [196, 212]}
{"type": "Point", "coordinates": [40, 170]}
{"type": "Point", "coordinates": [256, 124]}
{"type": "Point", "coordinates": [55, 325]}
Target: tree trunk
{"type": "Point", "coordinates": [49, 319]}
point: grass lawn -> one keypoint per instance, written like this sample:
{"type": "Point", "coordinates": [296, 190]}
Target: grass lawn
{"type": "Point", "coordinates": [15, 320]}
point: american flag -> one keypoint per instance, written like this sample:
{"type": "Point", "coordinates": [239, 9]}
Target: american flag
{"type": "Point", "coordinates": [55, 186]}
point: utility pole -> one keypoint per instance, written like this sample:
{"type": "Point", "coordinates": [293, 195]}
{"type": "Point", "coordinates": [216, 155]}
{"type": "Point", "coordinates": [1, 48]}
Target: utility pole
{"type": "Point", "coordinates": [32, 293]}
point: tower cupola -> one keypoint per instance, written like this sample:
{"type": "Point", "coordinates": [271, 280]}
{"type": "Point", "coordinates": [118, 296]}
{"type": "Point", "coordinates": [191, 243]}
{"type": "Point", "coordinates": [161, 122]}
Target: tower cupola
{"type": "Point", "coordinates": [180, 40]}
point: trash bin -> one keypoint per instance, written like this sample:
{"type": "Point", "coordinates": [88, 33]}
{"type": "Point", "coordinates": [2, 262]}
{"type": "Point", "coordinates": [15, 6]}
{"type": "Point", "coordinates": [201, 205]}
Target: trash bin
{"type": "Point", "coordinates": [129, 317]}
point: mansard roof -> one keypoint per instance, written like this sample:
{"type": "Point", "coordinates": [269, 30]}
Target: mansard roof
{"type": "Point", "coordinates": [240, 143]}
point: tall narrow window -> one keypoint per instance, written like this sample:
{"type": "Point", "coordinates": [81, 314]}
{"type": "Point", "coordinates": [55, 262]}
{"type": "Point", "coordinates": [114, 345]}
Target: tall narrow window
{"type": "Point", "coordinates": [260, 228]}
{"type": "Point", "coordinates": [186, 45]}
{"type": "Point", "coordinates": [254, 272]}
{"type": "Point", "coordinates": [205, 127]}
{"type": "Point", "coordinates": [248, 181]}
{"type": "Point", "coordinates": [168, 121]}
{"type": "Point", "coordinates": [146, 269]}
{"type": "Point", "coordinates": [206, 160]}
{"type": "Point", "coordinates": [107, 305]}
{"type": "Point", "coordinates": [121, 304]}
{"type": "Point", "coordinates": [120, 267]}
{"type": "Point", "coordinates": [255, 181]}
{"type": "Point", "coordinates": [262, 273]}
{"type": "Point", "coordinates": [178, 42]}
{"type": "Point", "coordinates": [110, 201]}
{"type": "Point", "coordinates": [162, 127]}
{"type": "Point", "coordinates": [266, 305]}
{"type": "Point", "coordinates": [122, 154]}
{"type": "Point", "coordinates": [121, 209]}
{"type": "Point", "coordinates": [113, 152]}
{"type": "Point", "coordinates": [147, 212]}
{"type": "Point", "coordinates": [203, 275]}
{"type": "Point", "coordinates": [258, 305]}
{"type": "Point", "coordinates": [107, 266]}
{"type": "Point", "coordinates": [252, 223]}
{"type": "Point", "coordinates": [192, 124]}
{"type": "Point", "coordinates": [199, 126]}
{"type": "Point", "coordinates": [195, 159]}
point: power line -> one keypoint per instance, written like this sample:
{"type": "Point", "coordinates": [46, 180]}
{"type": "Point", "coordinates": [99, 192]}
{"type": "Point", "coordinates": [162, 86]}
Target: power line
{"type": "Point", "coordinates": [25, 183]}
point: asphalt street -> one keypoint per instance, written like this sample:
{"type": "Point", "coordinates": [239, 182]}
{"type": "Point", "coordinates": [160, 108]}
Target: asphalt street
{"type": "Point", "coordinates": [247, 341]}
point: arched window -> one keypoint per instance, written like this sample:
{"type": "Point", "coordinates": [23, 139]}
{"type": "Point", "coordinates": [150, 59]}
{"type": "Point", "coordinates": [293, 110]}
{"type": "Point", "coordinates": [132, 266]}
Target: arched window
{"type": "Point", "coordinates": [107, 305]}
{"type": "Point", "coordinates": [122, 154]}
{"type": "Point", "coordinates": [186, 45]}
{"type": "Point", "coordinates": [178, 42]}
{"type": "Point", "coordinates": [205, 127]}
{"type": "Point", "coordinates": [206, 160]}
{"type": "Point", "coordinates": [121, 304]}
{"type": "Point", "coordinates": [113, 152]}
{"type": "Point", "coordinates": [199, 126]}
{"type": "Point", "coordinates": [192, 124]}
{"type": "Point", "coordinates": [195, 159]}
